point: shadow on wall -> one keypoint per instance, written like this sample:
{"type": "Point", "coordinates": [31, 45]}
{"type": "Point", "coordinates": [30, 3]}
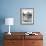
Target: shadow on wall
{"type": "Point", "coordinates": [1, 39]}
{"type": "Point", "coordinates": [2, 21]}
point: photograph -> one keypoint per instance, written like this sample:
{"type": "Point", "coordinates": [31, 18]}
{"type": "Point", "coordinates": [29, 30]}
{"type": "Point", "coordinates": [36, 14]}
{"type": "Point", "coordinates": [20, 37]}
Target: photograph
{"type": "Point", "coordinates": [27, 15]}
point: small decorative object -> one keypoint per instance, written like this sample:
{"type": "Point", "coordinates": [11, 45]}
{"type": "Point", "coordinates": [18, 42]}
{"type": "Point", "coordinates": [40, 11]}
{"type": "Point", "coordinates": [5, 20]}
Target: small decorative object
{"type": "Point", "coordinates": [29, 33]}
{"type": "Point", "coordinates": [27, 15]}
{"type": "Point", "coordinates": [26, 34]}
{"type": "Point", "coordinates": [9, 21]}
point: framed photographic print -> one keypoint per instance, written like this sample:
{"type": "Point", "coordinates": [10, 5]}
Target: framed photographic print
{"type": "Point", "coordinates": [27, 15]}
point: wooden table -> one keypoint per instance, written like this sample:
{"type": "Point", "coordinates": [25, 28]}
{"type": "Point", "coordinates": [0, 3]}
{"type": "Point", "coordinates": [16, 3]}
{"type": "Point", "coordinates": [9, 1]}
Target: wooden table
{"type": "Point", "coordinates": [20, 39]}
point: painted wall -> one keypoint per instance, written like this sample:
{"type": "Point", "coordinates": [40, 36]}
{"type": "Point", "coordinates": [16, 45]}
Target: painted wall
{"type": "Point", "coordinates": [11, 8]}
